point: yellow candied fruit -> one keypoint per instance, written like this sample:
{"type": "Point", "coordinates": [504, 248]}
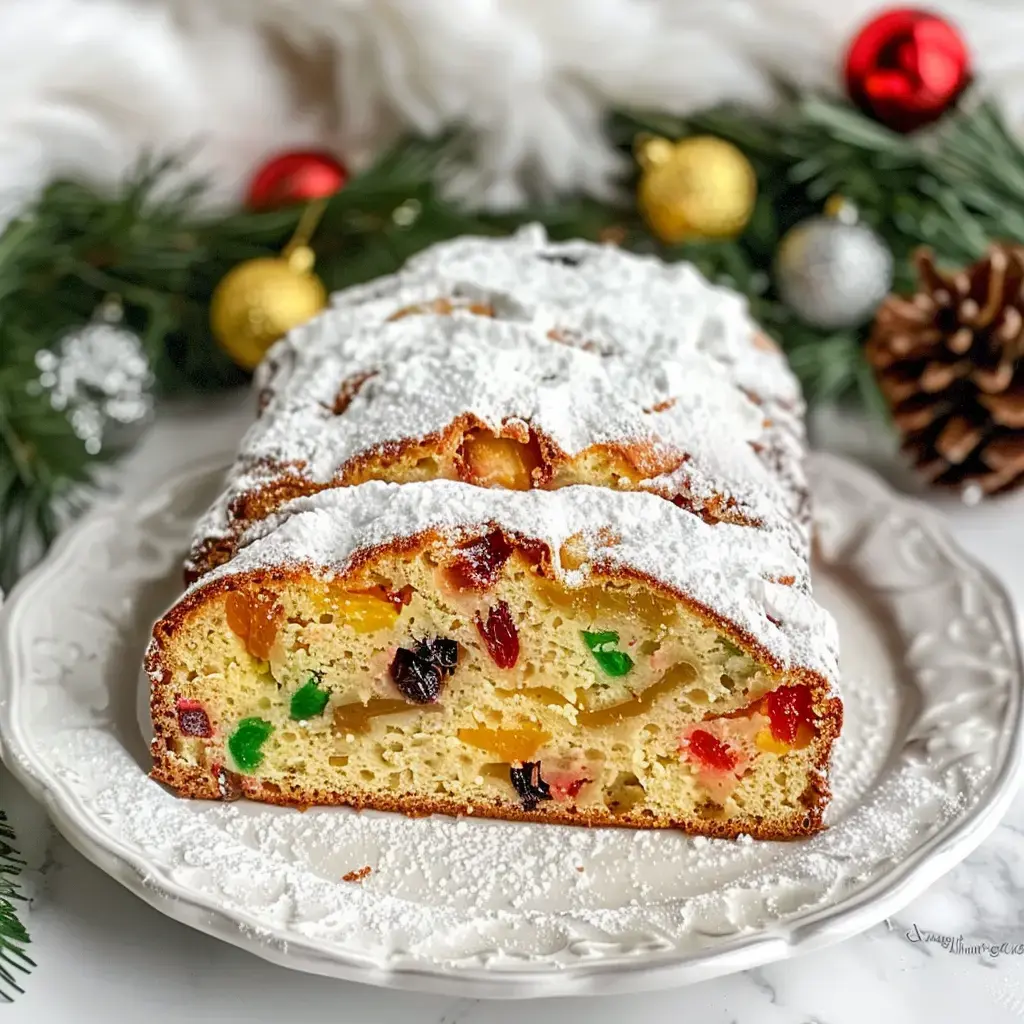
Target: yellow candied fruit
{"type": "Point", "coordinates": [365, 613]}
{"type": "Point", "coordinates": [519, 744]}
{"type": "Point", "coordinates": [599, 605]}
{"type": "Point", "coordinates": [500, 461]}
{"type": "Point", "coordinates": [767, 743]}
{"type": "Point", "coordinates": [676, 677]}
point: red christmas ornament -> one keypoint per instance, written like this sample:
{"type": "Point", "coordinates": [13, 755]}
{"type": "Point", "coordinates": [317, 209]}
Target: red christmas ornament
{"type": "Point", "coordinates": [906, 68]}
{"type": "Point", "coordinates": [297, 177]}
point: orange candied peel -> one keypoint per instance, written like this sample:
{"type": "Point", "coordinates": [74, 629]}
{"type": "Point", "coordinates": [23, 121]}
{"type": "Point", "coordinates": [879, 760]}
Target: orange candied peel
{"type": "Point", "coordinates": [518, 744]}
{"type": "Point", "coordinates": [254, 620]}
{"type": "Point", "coordinates": [490, 461]}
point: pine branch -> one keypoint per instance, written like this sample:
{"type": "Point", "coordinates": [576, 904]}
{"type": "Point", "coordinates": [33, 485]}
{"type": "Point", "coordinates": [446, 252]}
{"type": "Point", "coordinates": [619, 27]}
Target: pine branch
{"type": "Point", "coordinates": [13, 934]}
{"type": "Point", "coordinates": [955, 187]}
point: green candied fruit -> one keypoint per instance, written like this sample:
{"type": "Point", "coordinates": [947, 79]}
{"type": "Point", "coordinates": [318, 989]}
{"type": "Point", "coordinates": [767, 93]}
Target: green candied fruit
{"type": "Point", "coordinates": [246, 741]}
{"type": "Point", "coordinates": [602, 646]}
{"type": "Point", "coordinates": [723, 643]}
{"type": "Point", "coordinates": [309, 701]}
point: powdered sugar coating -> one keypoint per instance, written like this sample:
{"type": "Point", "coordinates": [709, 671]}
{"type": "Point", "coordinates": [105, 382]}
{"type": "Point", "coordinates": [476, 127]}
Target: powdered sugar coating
{"type": "Point", "coordinates": [424, 372]}
{"type": "Point", "coordinates": [614, 298]}
{"type": "Point", "coordinates": [730, 570]}
{"type": "Point", "coordinates": [654, 332]}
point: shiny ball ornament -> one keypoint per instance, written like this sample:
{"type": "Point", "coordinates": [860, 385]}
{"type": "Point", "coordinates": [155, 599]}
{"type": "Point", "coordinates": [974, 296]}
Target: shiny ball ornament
{"type": "Point", "coordinates": [906, 68]}
{"type": "Point", "coordinates": [261, 300]}
{"type": "Point", "coordinates": [297, 177]}
{"type": "Point", "coordinates": [699, 188]}
{"type": "Point", "coordinates": [832, 273]}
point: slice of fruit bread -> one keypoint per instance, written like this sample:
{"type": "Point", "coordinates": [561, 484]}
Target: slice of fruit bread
{"type": "Point", "coordinates": [582, 655]}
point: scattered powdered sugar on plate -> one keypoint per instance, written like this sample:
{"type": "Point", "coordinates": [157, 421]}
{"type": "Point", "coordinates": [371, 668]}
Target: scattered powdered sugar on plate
{"type": "Point", "coordinates": [523, 908]}
{"type": "Point", "coordinates": [442, 887]}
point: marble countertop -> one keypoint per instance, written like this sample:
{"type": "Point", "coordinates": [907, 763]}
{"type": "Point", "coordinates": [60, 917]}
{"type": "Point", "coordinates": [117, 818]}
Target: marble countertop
{"type": "Point", "coordinates": [103, 955]}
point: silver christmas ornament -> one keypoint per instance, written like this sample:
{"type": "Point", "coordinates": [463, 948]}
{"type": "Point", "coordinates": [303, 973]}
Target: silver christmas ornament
{"type": "Point", "coordinates": [100, 378]}
{"type": "Point", "coordinates": [832, 272]}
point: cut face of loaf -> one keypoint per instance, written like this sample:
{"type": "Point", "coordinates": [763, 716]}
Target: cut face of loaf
{"type": "Point", "coordinates": [520, 363]}
{"type": "Point", "coordinates": [373, 648]}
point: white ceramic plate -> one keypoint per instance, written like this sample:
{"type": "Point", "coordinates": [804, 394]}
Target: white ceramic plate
{"type": "Point", "coordinates": [927, 763]}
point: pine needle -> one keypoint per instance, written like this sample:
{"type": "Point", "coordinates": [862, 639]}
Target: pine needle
{"type": "Point", "coordinates": [13, 934]}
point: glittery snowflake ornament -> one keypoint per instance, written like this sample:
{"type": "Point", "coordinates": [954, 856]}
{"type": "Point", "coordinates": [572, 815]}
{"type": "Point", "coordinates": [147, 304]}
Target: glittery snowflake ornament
{"type": "Point", "coordinates": [100, 378]}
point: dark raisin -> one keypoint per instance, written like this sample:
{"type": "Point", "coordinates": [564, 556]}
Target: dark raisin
{"type": "Point", "coordinates": [440, 652]}
{"type": "Point", "coordinates": [529, 785]}
{"type": "Point", "coordinates": [417, 678]}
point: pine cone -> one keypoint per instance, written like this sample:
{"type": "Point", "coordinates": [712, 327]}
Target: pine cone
{"type": "Point", "coordinates": [949, 363]}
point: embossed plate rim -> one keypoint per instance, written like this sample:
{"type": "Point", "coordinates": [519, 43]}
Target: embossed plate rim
{"type": "Point", "coordinates": [936, 855]}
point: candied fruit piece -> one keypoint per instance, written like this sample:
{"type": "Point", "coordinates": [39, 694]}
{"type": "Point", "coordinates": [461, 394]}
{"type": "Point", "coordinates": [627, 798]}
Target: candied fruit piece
{"type": "Point", "coordinates": [264, 615]}
{"type": "Point", "coordinates": [476, 565]}
{"type": "Point", "coordinates": [602, 645]}
{"type": "Point", "coordinates": [416, 678]}
{"type": "Point", "coordinates": [518, 744]}
{"type": "Point", "coordinates": [246, 743]}
{"type": "Point", "coordinates": [363, 612]}
{"type": "Point", "coordinates": [440, 651]}
{"type": "Point", "coordinates": [768, 744]}
{"type": "Point", "coordinates": [491, 461]}
{"type": "Point", "coordinates": [597, 604]}
{"type": "Point", "coordinates": [254, 620]}
{"type": "Point", "coordinates": [566, 785]}
{"type": "Point", "coordinates": [787, 709]}
{"type": "Point", "coordinates": [500, 635]}
{"type": "Point", "coordinates": [193, 719]}
{"type": "Point", "coordinates": [357, 717]}
{"type": "Point", "coordinates": [309, 700]}
{"type": "Point", "coordinates": [678, 675]}
{"type": "Point", "coordinates": [529, 785]}
{"type": "Point", "coordinates": [236, 608]}
{"type": "Point", "coordinates": [710, 752]}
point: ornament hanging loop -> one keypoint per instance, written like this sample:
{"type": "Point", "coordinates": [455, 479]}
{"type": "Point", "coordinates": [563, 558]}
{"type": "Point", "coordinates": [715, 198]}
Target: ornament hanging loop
{"type": "Point", "coordinates": [306, 228]}
{"type": "Point", "coordinates": [652, 150]}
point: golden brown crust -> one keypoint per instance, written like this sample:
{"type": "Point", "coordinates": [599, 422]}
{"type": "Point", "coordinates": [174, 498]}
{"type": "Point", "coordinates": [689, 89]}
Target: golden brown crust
{"type": "Point", "coordinates": [622, 466]}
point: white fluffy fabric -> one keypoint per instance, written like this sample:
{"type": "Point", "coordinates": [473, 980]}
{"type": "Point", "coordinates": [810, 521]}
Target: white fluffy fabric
{"type": "Point", "coordinates": [89, 84]}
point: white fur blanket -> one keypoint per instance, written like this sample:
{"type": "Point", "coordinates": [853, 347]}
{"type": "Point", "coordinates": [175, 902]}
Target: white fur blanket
{"type": "Point", "coordinates": [88, 84]}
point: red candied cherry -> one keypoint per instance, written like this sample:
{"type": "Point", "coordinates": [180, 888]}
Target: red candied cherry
{"type": "Point", "coordinates": [193, 719]}
{"type": "Point", "coordinates": [710, 751]}
{"type": "Point", "coordinates": [787, 709]}
{"type": "Point", "coordinates": [566, 785]}
{"type": "Point", "coordinates": [477, 565]}
{"type": "Point", "coordinates": [500, 635]}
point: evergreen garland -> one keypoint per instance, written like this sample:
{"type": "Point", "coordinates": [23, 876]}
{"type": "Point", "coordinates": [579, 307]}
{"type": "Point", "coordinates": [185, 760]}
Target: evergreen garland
{"type": "Point", "coordinates": [955, 187]}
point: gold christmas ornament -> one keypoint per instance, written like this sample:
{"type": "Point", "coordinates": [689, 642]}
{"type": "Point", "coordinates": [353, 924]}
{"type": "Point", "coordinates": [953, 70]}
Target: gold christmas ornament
{"type": "Point", "coordinates": [261, 300]}
{"type": "Point", "coordinates": [698, 188]}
